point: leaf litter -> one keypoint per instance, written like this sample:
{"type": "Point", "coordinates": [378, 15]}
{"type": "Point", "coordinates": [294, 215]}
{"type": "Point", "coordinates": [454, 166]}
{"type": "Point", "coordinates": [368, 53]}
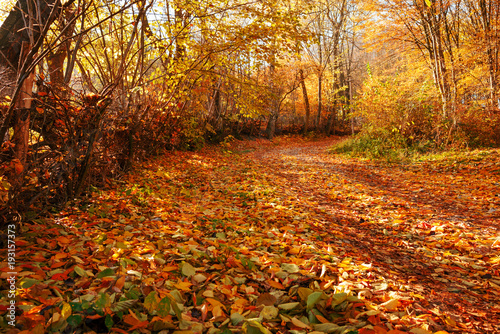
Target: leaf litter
{"type": "Point", "coordinates": [265, 237]}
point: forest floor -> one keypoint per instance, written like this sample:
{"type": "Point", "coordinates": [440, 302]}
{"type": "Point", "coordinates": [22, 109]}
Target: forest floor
{"type": "Point", "coordinates": [271, 237]}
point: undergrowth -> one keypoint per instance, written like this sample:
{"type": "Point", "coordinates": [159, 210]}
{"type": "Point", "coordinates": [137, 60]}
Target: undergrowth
{"type": "Point", "coordinates": [379, 147]}
{"type": "Point", "coordinates": [395, 148]}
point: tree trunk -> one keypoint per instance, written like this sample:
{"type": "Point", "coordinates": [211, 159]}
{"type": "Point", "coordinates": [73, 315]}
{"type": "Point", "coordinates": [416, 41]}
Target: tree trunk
{"type": "Point", "coordinates": [320, 105]}
{"type": "Point", "coordinates": [182, 21]}
{"type": "Point", "coordinates": [28, 23]}
{"type": "Point", "coordinates": [271, 126]}
{"type": "Point", "coordinates": [489, 13]}
{"type": "Point", "coordinates": [56, 58]}
{"type": "Point", "coordinates": [14, 31]}
{"type": "Point", "coordinates": [332, 119]}
{"type": "Point", "coordinates": [274, 104]}
{"type": "Point", "coordinates": [22, 115]}
{"type": "Point", "coordinates": [306, 100]}
{"type": "Point", "coordinates": [320, 81]}
{"type": "Point", "coordinates": [432, 18]}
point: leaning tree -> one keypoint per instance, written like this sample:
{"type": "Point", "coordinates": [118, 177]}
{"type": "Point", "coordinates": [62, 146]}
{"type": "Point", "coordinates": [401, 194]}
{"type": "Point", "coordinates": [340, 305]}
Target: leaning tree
{"type": "Point", "coordinates": [21, 36]}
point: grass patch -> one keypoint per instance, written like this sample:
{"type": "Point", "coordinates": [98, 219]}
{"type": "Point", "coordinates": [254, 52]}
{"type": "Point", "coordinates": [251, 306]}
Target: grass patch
{"type": "Point", "coordinates": [396, 151]}
{"type": "Point", "coordinates": [458, 156]}
{"type": "Point", "coordinates": [378, 148]}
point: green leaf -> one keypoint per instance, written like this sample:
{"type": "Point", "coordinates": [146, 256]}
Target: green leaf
{"type": "Point", "coordinates": [236, 318]}
{"type": "Point", "coordinates": [80, 271]}
{"type": "Point", "coordinates": [127, 262]}
{"type": "Point", "coordinates": [311, 316]}
{"type": "Point", "coordinates": [100, 238]}
{"type": "Point", "coordinates": [28, 282]}
{"type": "Point", "coordinates": [121, 245]}
{"type": "Point", "coordinates": [304, 293]}
{"type": "Point", "coordinates": [254, 327]}
{"type": "Point", "coordinates": [338, 298]}
{"type": "Point", "coordinates": [288, 306]}
{"type": "Point", "coordinates": [220, 235]}
{"type": "Point", "coordinates": [76, 307]}
{"type": "Point", "coordinates": [187, 269]}
{"type": "Point", "coordinates": [164, 307]}
{"type": "Point", "coordinates": [269, 312]}
{"type": "Point", "coordinates": [328, 328]}
{"type": "Point", "coordinates": [177, 310]}
{"type": "Point", "coordinates": [133, 293]}
{"type": "Point", "coordinates": [177, 296]}
{"type": "Point", "coordinates": [354, 299]}
{"type": "Point", "coordinates": [312, 299]}
{"type": "Point", "coordinates": [123, 305]}
{"type": "Point", "coordinates": [105, 273]}
{"type": "Point", "coordinates": [86, 305]}
{"type": "Point", "coordinates": [151, 302]}
{"type": "Point", "coordinates": [102, 302]}
{"type": "Point", "coordinates": [109, 321]}
{"type": "Point", "coordinates": [74, 320]}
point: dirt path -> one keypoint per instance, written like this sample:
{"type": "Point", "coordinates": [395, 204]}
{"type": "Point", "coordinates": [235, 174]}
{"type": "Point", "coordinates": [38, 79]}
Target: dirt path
{"type": "Point", "coordinates": [269, 238]}
{"type": "Point", "coordinates": [432, 228]}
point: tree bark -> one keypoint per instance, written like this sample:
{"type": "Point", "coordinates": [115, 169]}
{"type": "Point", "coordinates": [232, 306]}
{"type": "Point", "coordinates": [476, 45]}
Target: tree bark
{"type": "Point", "coordinates": [14, 31]}
{"type": "Point", "coordinates": [306, 100]}
{"type": "Point", "coordinates": [271, 126]}
{"type": "Point", "coordinates": [22, 118]}
{"type": "Point", "coordinates": [274, 104]}
{"type": "Point", "coordinates": [488, 14]}
{"type": "Point", "coordinates": [56, 58]}
{"type": "Point", "coordinates": [320, 86]}
{"type": "Point", "coordinates": [433, 18]}
{"type": "Point", "coordinates": [28, 22]}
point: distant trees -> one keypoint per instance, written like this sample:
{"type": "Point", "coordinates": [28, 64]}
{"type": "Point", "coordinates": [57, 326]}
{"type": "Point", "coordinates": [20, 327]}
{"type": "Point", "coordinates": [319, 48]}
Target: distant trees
{"type": "Point", "coordinates": [454, 45]}
{"type": "Point", "coordinates": [111, 82]}
{"type": "Point", "coordinates": [331, 58]}
{"type": "Point", "coordinates": [482, 38]}
{"type": "Point", "coordinates": [96, 85]}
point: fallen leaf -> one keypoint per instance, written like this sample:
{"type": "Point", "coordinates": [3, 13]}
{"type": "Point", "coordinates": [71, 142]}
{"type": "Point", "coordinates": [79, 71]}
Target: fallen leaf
{"type": "Point", "coordinates": [300, 324]}
{"type": "Point", "coordinates": [188, 270]}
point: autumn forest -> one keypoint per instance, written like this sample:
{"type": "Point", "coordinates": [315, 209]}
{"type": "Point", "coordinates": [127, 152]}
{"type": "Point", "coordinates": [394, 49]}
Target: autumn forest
{"type": "Point", "coordinates": [257, 167]}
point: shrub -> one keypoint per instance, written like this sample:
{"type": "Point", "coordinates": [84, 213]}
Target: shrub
{"type": "Point", "coordinates": [480, 127]}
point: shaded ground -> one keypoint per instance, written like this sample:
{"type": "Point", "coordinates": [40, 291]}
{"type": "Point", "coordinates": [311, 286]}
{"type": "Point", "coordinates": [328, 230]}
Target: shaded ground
{"type": "Point", "coordinates": [433, 225]}
{"type": "Point", "coordinates": [262, 237]}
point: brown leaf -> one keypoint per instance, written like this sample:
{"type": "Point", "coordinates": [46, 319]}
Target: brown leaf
{"type": "Point", "coordinates": [265, 299]}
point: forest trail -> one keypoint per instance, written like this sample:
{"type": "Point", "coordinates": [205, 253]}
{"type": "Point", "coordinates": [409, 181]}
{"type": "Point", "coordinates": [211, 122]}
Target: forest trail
{"type": "Point", "coordinates": [434, 225]}
{"type": "Point", "coordinates": [272, 237]}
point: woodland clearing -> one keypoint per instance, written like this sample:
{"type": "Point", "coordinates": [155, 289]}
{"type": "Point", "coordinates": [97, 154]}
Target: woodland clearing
{"type": "Point", "coordinates": [271, 237]}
